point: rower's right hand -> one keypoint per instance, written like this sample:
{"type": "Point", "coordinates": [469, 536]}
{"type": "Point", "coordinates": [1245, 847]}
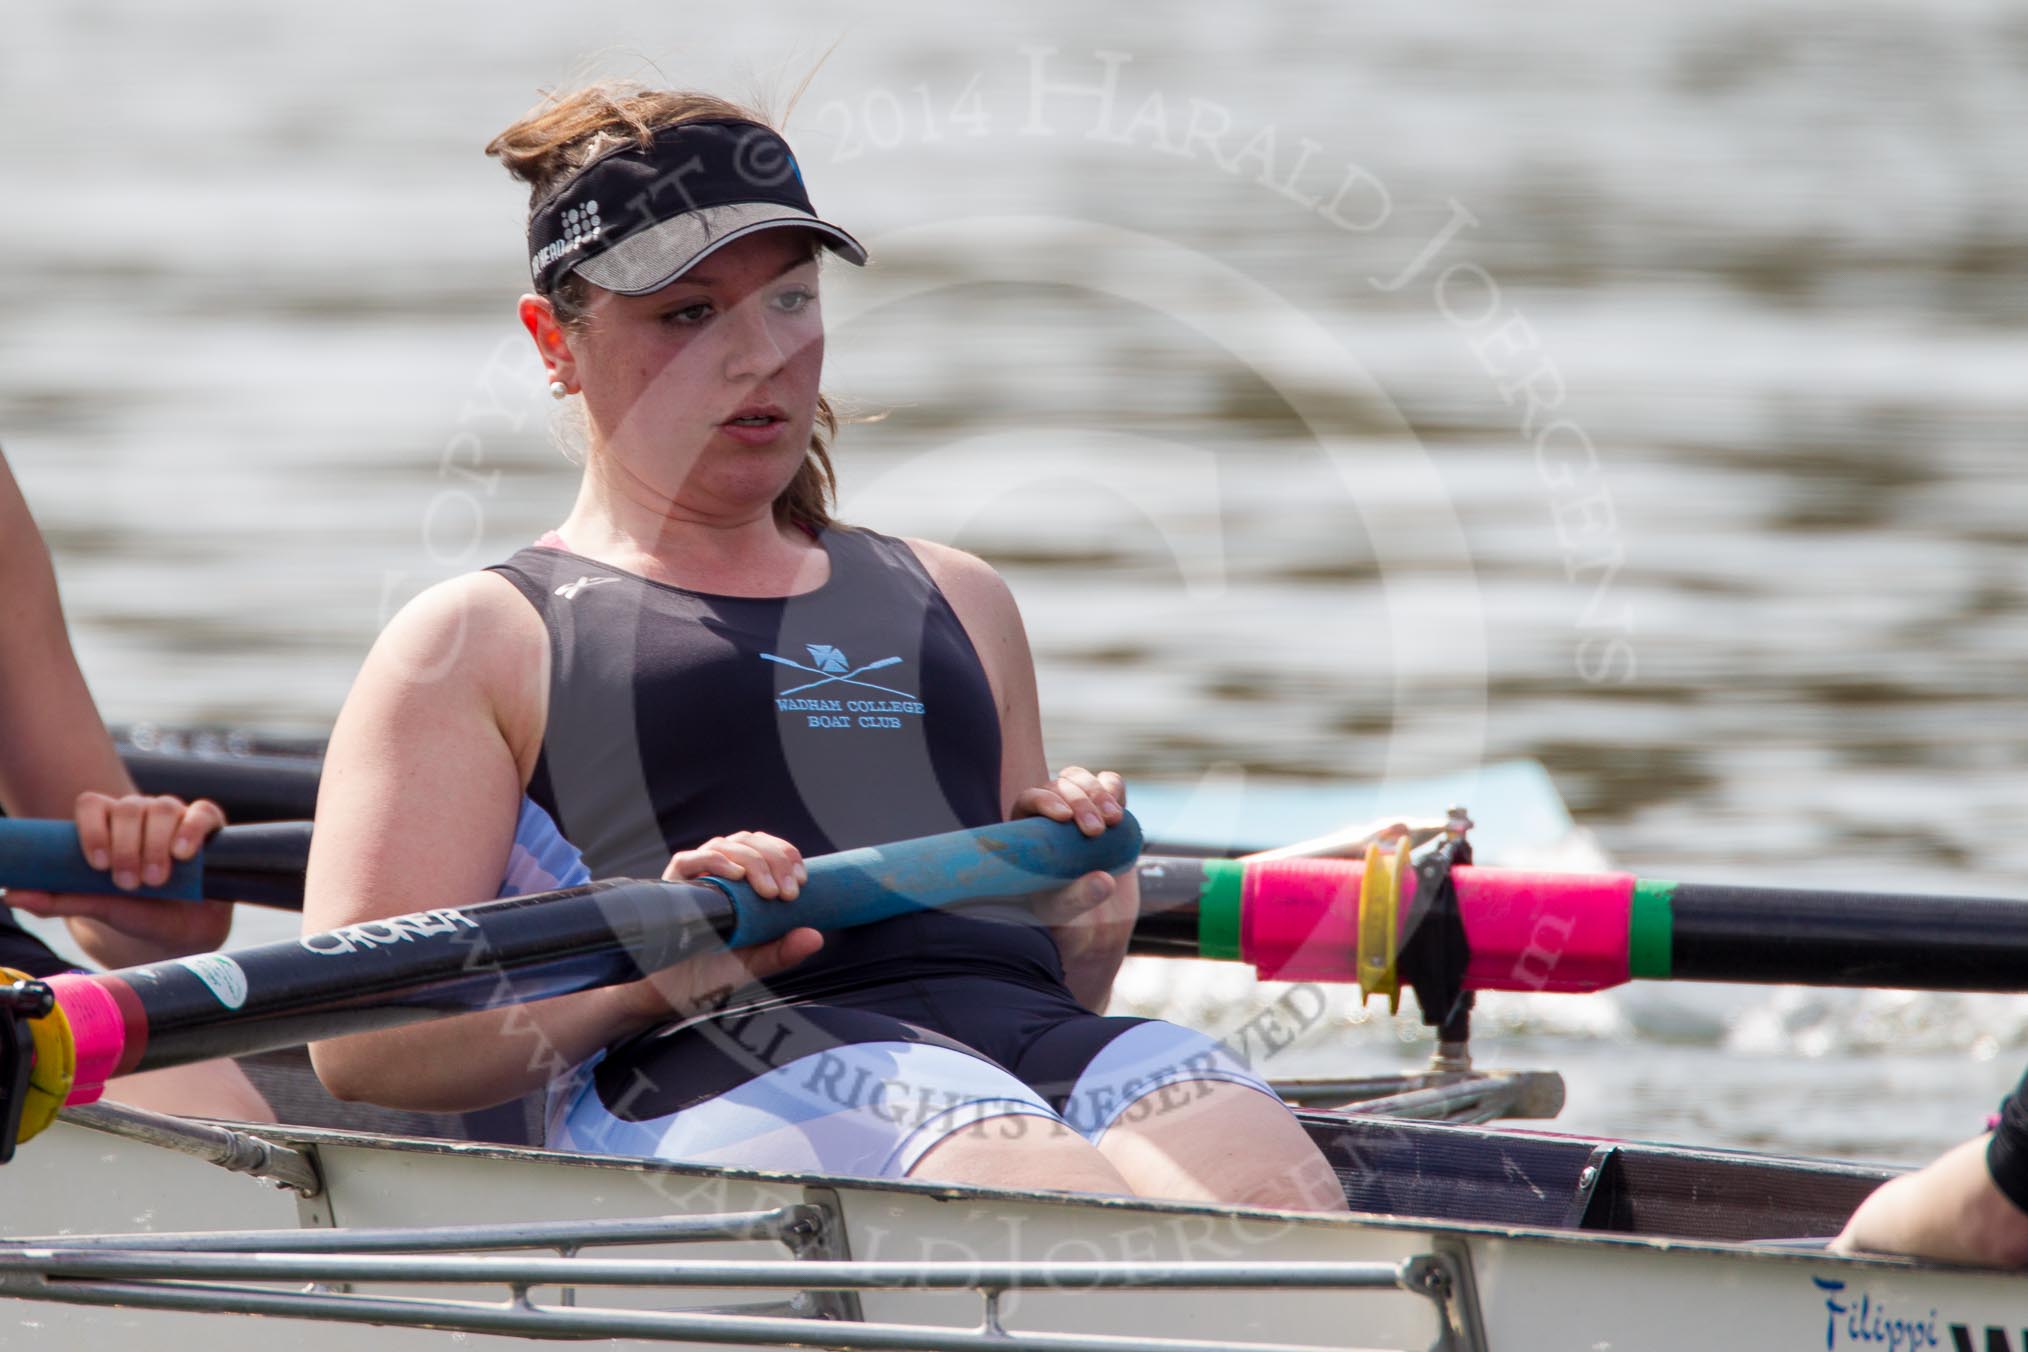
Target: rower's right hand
{"type": "Point", "coordinates": [768, 864]}
{"type": "Point", "coordinates": [774, 869]}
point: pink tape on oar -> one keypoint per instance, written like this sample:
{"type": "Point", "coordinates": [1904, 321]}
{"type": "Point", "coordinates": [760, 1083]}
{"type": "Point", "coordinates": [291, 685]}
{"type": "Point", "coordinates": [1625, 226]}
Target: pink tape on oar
{"type": "Point", "coordinates": [1545, 931]}
{"type": "Point", "coordinates": [1527, 931]}
{"type": "Point", "coordinates": [1299, 919]}
{"type": "Point", "coordinates": [99, 1029]}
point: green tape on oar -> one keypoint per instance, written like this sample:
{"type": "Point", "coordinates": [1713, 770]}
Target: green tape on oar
{"type": "Point", "coordinates": [43, 856]}
{"type": "Point", "coordinates": [1651, 930]}
{"type": "Point", "coordinates": [1218, 909]}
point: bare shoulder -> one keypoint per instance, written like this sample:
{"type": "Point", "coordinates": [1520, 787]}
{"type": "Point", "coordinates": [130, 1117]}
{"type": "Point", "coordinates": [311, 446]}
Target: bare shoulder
{"type": "Point", "coordinates": [470, 641]}
{"type": "Point", "coordinates": [466, 626]}
{"type": "Point", "coordinates": [992, 620]}
{"type": "Point", "coordinates": [21, 547]}
{"type": "Point", "coordinates": [968, 582]}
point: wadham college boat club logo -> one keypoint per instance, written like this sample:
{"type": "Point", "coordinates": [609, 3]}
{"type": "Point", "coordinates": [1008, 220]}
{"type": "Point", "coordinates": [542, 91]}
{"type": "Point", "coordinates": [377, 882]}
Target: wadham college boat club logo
{"type": "Point", "coordinates": [883, 710]}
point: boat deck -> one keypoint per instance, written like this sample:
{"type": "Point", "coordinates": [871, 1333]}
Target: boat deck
{"type": "Point", "coordinates": [1541, 1180]}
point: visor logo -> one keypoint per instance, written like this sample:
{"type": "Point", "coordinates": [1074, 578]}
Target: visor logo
{"type": "Point", "coordinates": [582, 221]}
{"type": "Point", "coordinates": [581, 226]}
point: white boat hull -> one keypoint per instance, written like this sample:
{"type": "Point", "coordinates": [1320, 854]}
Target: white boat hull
{"type": "Point", "coordinates": [1523, 1289]}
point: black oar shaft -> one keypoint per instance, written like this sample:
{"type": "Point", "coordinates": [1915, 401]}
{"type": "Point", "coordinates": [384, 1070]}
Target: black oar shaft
{"type": "Point", "coordinates": [1171, 892]}
{"type": "Point", "coordinates": [381, 974]}
{"type": "Point", "coordinates": [255, 788]}
{"type": "Point", "coordinates": [1819, 938]}
{"type": "Point", "coordinates": [260, 862]}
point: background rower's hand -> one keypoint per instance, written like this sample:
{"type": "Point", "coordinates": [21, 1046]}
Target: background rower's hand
{"type": "Point", "coordinates": [1094, 915]}
{"type": "Point", "coordinates": [774, 869]}
{"type": "Point", "coordinates": [137, 838]}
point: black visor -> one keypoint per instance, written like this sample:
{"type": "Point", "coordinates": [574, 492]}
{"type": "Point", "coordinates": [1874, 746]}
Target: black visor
{"type": "Point", "coordinates": [634, 220]}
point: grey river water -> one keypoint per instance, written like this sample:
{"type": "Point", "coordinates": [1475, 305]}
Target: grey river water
{"type": "Point", "coordinates": [1345, 391]}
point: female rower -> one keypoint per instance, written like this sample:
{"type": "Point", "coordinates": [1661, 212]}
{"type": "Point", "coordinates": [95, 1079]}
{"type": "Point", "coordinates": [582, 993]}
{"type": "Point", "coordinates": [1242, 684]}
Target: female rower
{"type": "Point", "coordinates": [699, 671]}
{"type": "Point", "coordinates": [56, 761]}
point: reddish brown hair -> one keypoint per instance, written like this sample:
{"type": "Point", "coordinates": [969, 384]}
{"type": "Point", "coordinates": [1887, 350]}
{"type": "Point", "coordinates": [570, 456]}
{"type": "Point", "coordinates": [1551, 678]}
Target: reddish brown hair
{"type": "Point", "coordinates": [565, 132]}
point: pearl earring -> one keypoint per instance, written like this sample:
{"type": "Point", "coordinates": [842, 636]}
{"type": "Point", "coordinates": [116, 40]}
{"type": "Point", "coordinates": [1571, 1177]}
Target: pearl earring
{"type": "Point", "coordinates": [558, 390]}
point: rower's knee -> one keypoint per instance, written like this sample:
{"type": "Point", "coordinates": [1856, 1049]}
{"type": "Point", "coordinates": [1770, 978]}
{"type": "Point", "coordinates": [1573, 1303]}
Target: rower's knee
{"type": "Point", "coordinates": [1020, 1151]}
{"type": "Point", "coordinates": [1215, 1141]}
{"type": "Point", "coordinates": [1305, 1182]}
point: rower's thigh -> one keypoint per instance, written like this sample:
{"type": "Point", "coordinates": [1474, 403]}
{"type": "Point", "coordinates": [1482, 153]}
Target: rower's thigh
{"type": "Point", "coordinates": [794, 1088]}
{"type": "Point", "coordinates": [1218, 1141]}
{"type": "Point", "coordinates": [1021, 1152]}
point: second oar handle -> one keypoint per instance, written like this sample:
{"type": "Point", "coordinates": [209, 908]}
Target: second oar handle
{"type": "Point", "coordinates": [44, 856]}
{"type": "Point", "coordinates": [1009, 859]}
{"type": "Point", "coordinates": [261, 862]}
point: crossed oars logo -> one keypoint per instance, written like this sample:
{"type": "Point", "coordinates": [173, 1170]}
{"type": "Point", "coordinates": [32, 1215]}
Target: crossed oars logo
{"type": "Point", "coordinates": [833, 666]}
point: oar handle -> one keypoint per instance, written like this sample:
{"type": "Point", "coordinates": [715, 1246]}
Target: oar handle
{"type": "Point", "coordinates": [1008, 859]}
{"type": "Point", "coordinates": [261, 862]}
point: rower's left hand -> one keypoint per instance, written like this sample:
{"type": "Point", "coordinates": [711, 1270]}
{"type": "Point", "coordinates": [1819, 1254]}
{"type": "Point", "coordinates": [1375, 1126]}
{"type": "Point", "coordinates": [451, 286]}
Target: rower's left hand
{"type": "Point", "coordinates": [136, 839]}
{"type": "Point", "coordinates": [1093, 915]}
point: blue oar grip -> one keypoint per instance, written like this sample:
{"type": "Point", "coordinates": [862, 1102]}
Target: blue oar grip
{"type": "Point", "coordinates": [1008, 859]}
{"type": "Point", "coordinates": [44, 856]}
